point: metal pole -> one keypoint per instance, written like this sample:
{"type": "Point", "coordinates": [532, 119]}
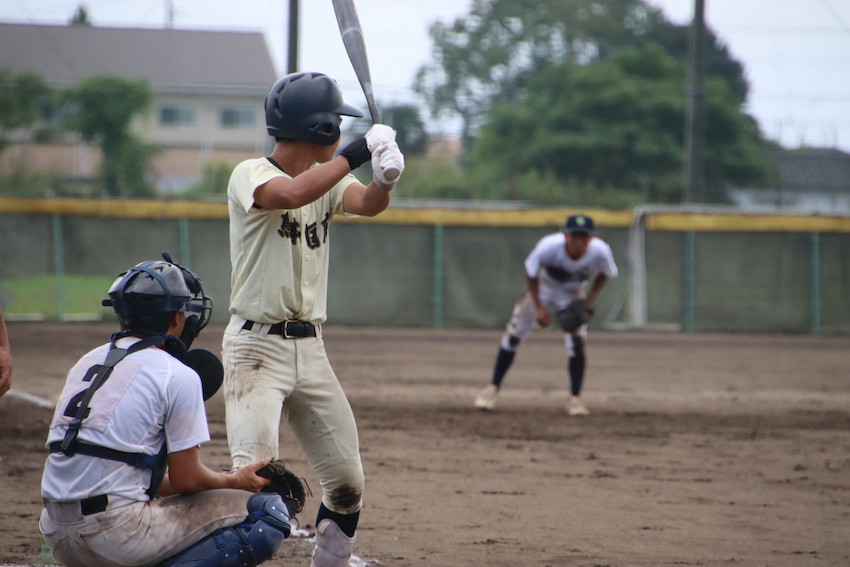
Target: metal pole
{"type": "Point", "coordinates": [292, 60]}
{"type": "Point", "coordinates": [815, 298]}
{"type": "Point", "coordinates": [59, 266]}
{"type": "Point", "coordinates": [439, 260]}
{"type": "Point", "coordinates": [689, 299]}
{"type": "Point", "coordinates": [695, 114]}
{"type": "Point", "coordinates": [637, 261]}
{"type": "Point", "coordinates": [185, 248]}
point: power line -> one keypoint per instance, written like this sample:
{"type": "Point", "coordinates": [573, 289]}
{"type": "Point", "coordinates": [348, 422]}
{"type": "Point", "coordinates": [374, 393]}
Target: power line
{"type": "Point", "coordinates": [784, 30]}
{"type": "Point", "coordinates": [837, 15]}
{"type": "Point", "coordinates": [836, 98]}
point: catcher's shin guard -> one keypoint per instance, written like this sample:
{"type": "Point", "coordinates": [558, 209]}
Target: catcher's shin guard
{"type": "Point", "coordinates": [246, 545]}
{"type": "Point", "coordinates": [333, 548]}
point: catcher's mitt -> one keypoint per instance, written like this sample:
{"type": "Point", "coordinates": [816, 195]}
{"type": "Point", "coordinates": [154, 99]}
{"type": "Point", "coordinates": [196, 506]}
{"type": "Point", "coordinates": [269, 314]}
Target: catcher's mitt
{"type": "Point", "coordinates": [290, 487]}
{"type": "Point", "coordinates": [574, 315]}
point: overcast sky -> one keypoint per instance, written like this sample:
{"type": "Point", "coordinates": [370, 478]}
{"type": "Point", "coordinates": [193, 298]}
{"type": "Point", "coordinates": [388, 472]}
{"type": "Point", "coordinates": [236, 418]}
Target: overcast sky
{"type": "Point", "coordinates": [796, 53]}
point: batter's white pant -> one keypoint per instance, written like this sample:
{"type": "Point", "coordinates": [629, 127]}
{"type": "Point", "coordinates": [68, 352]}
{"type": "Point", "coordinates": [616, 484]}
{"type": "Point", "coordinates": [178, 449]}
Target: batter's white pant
{"type": "Point", "coordinates": [141, 533]}
{"type": "Point", "coordinates": [266, 377]}
{"type": "Point", "coordinates": [523, 321]}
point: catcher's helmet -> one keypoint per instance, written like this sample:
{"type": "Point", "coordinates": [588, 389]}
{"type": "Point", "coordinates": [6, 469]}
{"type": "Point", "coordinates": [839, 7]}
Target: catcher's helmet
{"type": "Point", "coordinates": [145, 297]}
{"type": "Point", "coordinates": [306, 107]}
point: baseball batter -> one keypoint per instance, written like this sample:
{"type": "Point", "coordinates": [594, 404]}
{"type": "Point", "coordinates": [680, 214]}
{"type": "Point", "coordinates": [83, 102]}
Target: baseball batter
{"type": "Point", "coordinates": [557, 271]}
{"type": "Point", "coordinates": [281, 207]}
{"type": "Point", "coordinates": [129, 408]}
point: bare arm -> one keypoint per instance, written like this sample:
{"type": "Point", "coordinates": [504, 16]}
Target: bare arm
{"type": "Point", "coordinates": [366, 200]}
{"type": "Point", "coordinates": [186, 475]}
{"type": "Point", "coordinates": [597, 286]}
{"type": "Point", "coordinates": [304, 188]}
{"type": "Point", "coordinates": [5, 357]}
{"type": "Point", "coordinates": [543, 317]}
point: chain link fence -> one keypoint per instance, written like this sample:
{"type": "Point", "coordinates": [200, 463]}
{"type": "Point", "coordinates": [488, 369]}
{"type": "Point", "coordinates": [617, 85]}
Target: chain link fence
{"type": "Point", "coordinates": [438, 266]}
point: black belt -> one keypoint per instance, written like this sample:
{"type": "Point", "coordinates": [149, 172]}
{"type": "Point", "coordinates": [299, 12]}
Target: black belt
{"type": "Point", "coordinates": [287, 329]}
{"type": "Point", "coordinates": [93, 504]}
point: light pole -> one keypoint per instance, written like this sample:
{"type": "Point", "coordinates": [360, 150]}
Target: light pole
{"type": "Point", "coordinates": [694, 177]}
{"type": "Point", "coordinates": [292, 56]}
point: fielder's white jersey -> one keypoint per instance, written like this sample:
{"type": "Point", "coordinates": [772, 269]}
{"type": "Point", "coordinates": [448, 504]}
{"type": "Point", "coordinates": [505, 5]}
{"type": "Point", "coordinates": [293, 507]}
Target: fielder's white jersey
{"type": "Point", "coordinates": [149, 397]}
{"type": "Point", "coordinates": [279, 257]}
{"type": "Point", "coordinates": [562, 279]}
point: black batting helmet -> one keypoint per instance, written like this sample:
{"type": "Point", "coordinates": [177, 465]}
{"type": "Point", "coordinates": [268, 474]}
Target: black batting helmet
{"type": "Point", "coordinates": [148, 294]}
{"type": "Point", "coordinates": [306, 107]}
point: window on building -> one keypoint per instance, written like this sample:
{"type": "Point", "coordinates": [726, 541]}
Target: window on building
{"type": "Point", "coordinates": [176, 115]}
{"type": "Point", "coordinates": [237, 117]}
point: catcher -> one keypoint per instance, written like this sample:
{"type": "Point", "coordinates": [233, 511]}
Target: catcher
{"type": "Point", "coordinates": [129, 410]}
{"type": "Point", "coordinates": [556, 272]}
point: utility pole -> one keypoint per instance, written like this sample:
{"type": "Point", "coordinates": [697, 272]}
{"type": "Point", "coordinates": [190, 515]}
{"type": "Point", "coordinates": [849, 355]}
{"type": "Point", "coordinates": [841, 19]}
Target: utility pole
{"type": "Point", "coordinates": [292, 59]}
{"type": "Point", "coordinates": [169, 14]}
{"type": "Point", "coordinates": [694, 175]}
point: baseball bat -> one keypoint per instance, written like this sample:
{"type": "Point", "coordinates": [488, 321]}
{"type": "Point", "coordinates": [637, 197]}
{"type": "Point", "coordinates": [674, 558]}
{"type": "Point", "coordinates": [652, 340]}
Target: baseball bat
{"type": "Point", "coordinates": [355, 45]}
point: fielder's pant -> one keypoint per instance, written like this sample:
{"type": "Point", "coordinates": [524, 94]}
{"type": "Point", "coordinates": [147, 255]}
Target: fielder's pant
{"type": "Point", "coordinates": [267, 376]}
{"type": "Point", "coordinates": [141, 533]}
{"type": "Point", "coordinates": [524, 318]}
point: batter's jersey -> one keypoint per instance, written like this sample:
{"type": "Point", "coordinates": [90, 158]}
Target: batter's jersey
{"type": "Point", "coordinates": [279, 258]}
{"type": "Point", "coordinates": [149, 397]}
{"type": "Point", "coordinates": [562, 278]}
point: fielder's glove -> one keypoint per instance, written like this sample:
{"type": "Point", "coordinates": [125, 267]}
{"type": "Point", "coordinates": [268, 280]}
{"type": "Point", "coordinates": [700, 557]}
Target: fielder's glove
{"type": "Point", "coordinates": [574, 315]}
{"type": "Point", "coordinates": [289, 486]}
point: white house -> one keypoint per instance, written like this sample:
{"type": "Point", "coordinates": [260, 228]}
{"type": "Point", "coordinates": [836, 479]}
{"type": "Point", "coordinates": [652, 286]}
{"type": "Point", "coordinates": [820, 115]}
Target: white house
{"type": "Point", "coordinates": [812, 180]}
{"type": "Point", "coordinates": [208, 92]}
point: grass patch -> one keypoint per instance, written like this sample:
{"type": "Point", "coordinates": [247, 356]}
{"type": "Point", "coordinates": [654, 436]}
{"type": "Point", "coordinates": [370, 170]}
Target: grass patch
{"type": "Point", "coordinates": [48, 297]}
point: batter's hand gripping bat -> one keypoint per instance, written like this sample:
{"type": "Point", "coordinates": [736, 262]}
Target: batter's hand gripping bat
{"type": "Point", "coordinates": [352, 37]}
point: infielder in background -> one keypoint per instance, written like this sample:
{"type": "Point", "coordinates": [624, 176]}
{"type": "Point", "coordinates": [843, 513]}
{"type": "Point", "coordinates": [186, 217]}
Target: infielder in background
{"type": "Point", "coordinates": [281, 207]}
{"type": "Point", "coordinates": [5, 357]}
{"type": "Point", "coordinates": [557, 271]}
{"type": "Point", "coordinates": [129, 408]}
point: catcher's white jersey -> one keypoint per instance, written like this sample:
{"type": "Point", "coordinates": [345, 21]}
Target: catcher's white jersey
{"type": "Point", "coordinates": [150, 396]}
{"type": "Point", "coordinates": [279, 257]}
{"type": "Point", "coordinates": [562, 278]}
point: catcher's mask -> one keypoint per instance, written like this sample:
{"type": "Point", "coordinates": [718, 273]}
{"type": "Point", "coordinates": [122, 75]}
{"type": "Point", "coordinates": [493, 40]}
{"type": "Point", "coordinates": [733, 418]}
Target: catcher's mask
{"type": "Point", "coordinates": [148, 294]}
{"type": "Point", "coordinates": [307, 107]}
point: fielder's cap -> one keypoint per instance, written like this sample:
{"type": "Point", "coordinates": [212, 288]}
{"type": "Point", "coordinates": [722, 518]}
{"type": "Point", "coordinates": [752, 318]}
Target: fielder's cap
{"type": "Point", "coordinates": [579, 223]}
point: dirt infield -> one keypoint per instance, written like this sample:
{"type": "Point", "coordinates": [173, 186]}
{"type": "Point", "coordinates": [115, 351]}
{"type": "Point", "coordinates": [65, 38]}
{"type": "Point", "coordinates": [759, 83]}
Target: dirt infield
{"type": "Point", "coordinates": [700, 450]}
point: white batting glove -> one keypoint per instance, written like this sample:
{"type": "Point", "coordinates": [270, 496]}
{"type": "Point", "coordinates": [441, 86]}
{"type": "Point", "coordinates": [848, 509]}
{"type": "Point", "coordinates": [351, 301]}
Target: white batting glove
{"type": "Point", "coordinates": [387, 164]}
{"type": "Point", "coordinates": [378, 135]}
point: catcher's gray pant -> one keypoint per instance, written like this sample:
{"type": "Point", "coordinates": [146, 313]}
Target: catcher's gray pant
{"type": "Point", "coordinates": [266, 376]}
{"type": "Point", "coordinates": [141, 533]}
{"type": "Point", "coordinates": [524, 318]}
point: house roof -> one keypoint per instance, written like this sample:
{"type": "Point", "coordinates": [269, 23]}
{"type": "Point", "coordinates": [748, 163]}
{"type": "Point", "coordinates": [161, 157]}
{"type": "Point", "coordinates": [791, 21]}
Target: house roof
{"type": "Point", "coordinates": [170, 59]}
{"type": "Point", "coordinates": [814, 169]}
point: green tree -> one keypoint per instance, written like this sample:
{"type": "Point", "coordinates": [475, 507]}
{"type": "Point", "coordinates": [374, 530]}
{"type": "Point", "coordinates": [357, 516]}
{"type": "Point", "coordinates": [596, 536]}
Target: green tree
{"type": "Point", "coordinates": [614, 125]}
{"type": "Point", "coordinates": [102, 109]}
{"type": "Point", "coordinates": [215, 177]}
{"type": "Point", "coordinates": [80, 17]}
{"type": "Point", "coordinates": [485, 57]}
{"type": "Point", "coordinates": [411, 136]}
{"type": "Point", "coordinates": [23, 98]}
{"type": "Point", "coordinates": [405, 119]}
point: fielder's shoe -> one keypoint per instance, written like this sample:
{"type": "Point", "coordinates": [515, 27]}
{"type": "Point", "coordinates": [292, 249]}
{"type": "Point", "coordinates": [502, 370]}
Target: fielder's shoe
{"type": "Point", "coordinates": [486, 400]}
{"type": "Point", "coordinates": [576, 408]}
